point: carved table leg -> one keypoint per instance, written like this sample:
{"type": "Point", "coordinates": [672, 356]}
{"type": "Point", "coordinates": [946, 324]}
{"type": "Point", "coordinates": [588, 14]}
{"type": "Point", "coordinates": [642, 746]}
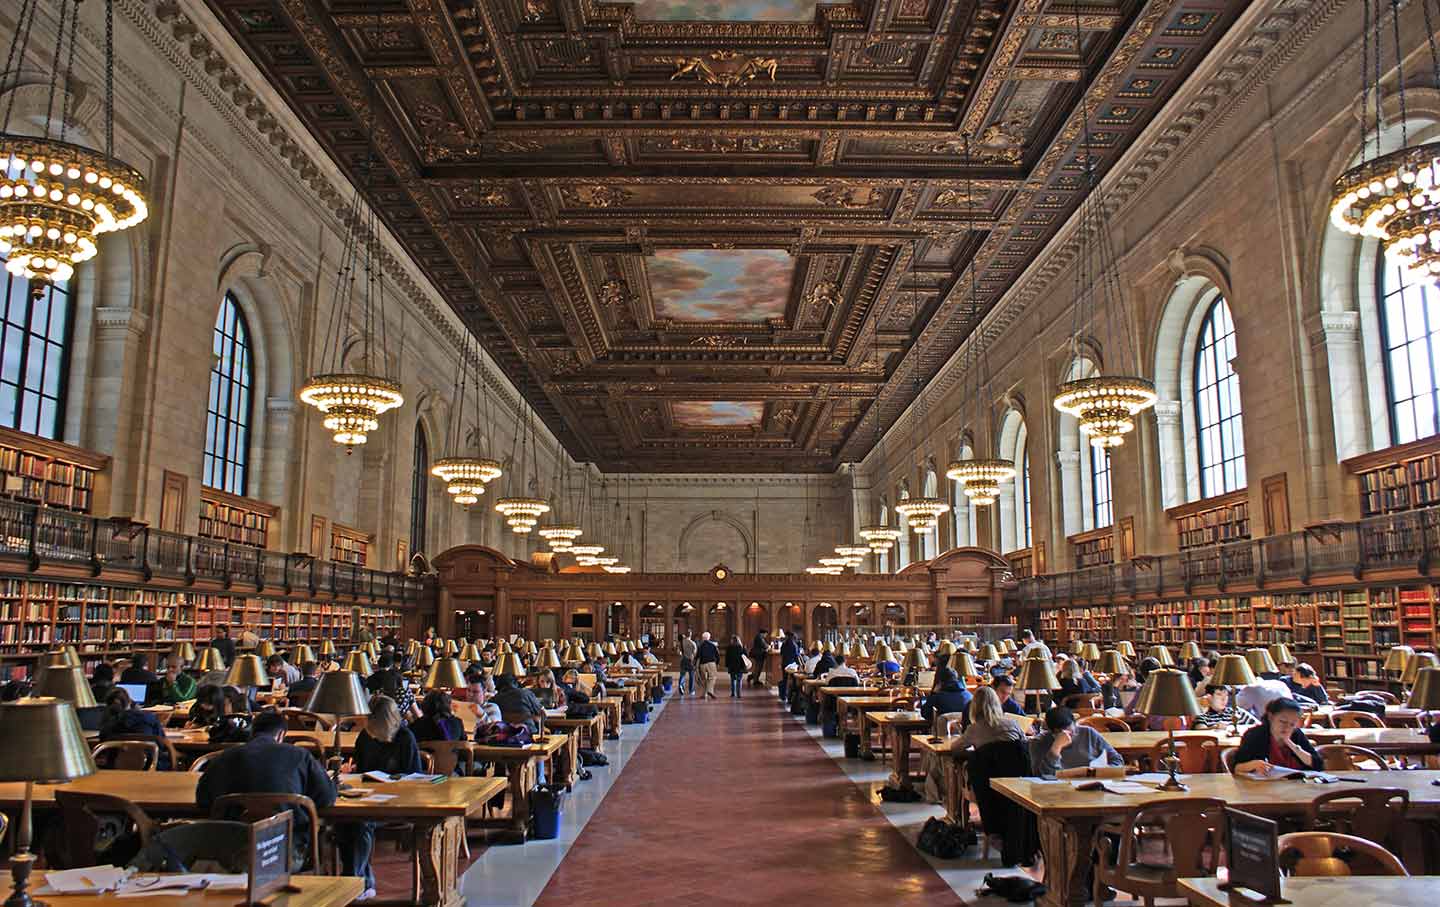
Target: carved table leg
{"type": "Point", "coordinates": [437, 856]}
{"type": "Point", "coordinates": [866, 752]}
{"type": "Point", "coordinates": [900, 754]}
{"type": "Point", "coordinates": [1065, 842]}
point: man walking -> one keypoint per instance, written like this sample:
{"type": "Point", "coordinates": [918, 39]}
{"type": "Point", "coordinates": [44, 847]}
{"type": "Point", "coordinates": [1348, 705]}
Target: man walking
{"type": "Point", "coordinates": [687, 664]}
{"type": "Point", "coordinates": [708, 658]}
{"type": "Point", "coordinates": [789, 654]}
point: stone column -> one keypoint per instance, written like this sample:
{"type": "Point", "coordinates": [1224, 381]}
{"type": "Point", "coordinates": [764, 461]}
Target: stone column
{"type": "Point", "coordinates": [1170, 432]}
{"type": "Point", "coordinates": [1336, 339]}
{"type": "Point", "coordinates": [271, 482]}
{"type": "Point", "coordinates": [1073, 517]}
{"type": "Point", "coordinates": [1012, 534]}
{"type": "Point", "coordinates": [109, 403]}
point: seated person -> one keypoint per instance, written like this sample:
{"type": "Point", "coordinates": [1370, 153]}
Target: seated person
{"type": "Point", "coordinates": [649, 658]}
{"type": "Point", "coordinates": [301, 689]}
{"type": "Point", "coordinates": [826, 662]}
{"type": "Point", "coordinates": [437, 719]}
{"type": "Point", "coordinates": [277, 668]}
{"type": "Point", "coordinates": [1277, 741]}
{"type": "Point", "coordinates": [1075, 681]}
{"type": "Point", "coordinates": [1064, 744]}
{"type": "Point", "coordinates": [1220, 712]}
{"type": "Point", "coordinates": [139, 671]}
{"type": "Point", "coordinates": [1256, 697]}
{"type": "Point", "coordinates": [551, 696]}
{"type": "Point", "coordinates": [1004, 686]}
{"type": "Point", "coordinates": [517, 705]}
{"type": "Point", "coordinates": [177, 686]}
{"type": "Point", "coordinates": [628, 660]}
{"type": "Point", "coordinates": [841, 669]}
{"type": "Point", "coordinates": [1305, 684]}
{"type": "Point", "coordinates": [268, 765]}
{"type": "Point", "coordinates": [384, 745]}
{"type": "Point", "coordinates": [949, 696]}
{"type": "Point", "coordinates": [210, 705]}
{"type": "Point", "coordinates": [102, 681]}
{"type": "Point", "coordinates": [985, 722]}
{"type": "Point", "coordinates": [1200, 671]}
{"type": "Point", "coordinates": [1117, 690]}
{"type": "Point", "coordinates": [123, 718]}
{"type": "Point", "coordinates": [812, 660]}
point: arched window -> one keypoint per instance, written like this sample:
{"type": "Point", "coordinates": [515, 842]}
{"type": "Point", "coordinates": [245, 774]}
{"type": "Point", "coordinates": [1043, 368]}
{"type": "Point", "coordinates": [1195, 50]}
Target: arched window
{"type": "Point", "coordinates": [1409, 325]}
{"type": "Point", "coordinates": [1013, 505]}
{"type": "Point", "coordinates": [963, 514]}
{"type": "Point", "coordinates": [902, 545]}
{"type": "Point", "coordinates": [1100, 487]}
{"type": "Point", "coordinates": [1220, 439]}
{"type": "Point", "coordinates": [419, 491]}
{"type": "Point", "coordinates": [36, 348]}
{"type": "Point", "coordinates": [1025, 493]}
{"type": "Point", "coordinates": [227, 421]}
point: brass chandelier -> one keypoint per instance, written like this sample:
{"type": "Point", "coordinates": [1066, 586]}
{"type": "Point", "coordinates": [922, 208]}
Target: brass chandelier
{"type": "Point", "coordinates": [880, 538]}
{"type": "Point", "coordinates": [854, 555]}
{"type": "Point", "coordinates": [56, 196]}
{"type": "Point", "coordinates": [465, 475]}
{"type": "Point", "coordinates": [561, 534]}
{"type": "Point", "coordinates": [523, 511]}
{"type": "Point", "coordinates": [921, 514]}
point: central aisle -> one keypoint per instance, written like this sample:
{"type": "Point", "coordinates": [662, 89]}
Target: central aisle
{"type": "Point", "coordinates": [731, 803]}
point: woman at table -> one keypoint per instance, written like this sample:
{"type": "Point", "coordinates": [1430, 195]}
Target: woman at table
{"type": "Point", "coordinates": [176, 685]}
{"type": "Point", "coordinates": [1277, 742]}
{"type": "Point", "coordinates": [209, 706]}
{"type": "Point", "coordinates": [986, 722]}
{"type": "Point", "coordinates": [1116, 690]}
{"type": "Point", "coordinates": [549, 693]}
{"type": "Point", "coordinates": [1076, 681]}
{"type": "Point", "coordinates": [123, 718]}
{"type": "Point", "coordinates": [384, 745]}
{"type": "Point", "coordinates": [102, 681]}
{"type": "Point", "coordinates": [949, 696]}
{"type": "Point", "coordinates": [437, 719]}
{"type": "Point", "coordinates": [735, 665]}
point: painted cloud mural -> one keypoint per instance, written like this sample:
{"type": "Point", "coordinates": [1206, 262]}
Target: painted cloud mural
{"type": "Point", "coordinates": [707, 285]}
{"type": "Point", "coordinates": [717, 414]}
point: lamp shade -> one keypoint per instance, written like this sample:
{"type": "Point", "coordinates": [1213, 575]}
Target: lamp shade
{"type": "Point", "coordinates": [340, 693]}
{"type": "Point", "coordinates": [357, 662]}
{"type": "Point", "coordinates": [54, 749]}
{"type": "Point", "coordinates": [595, 652]}
{"type": "Point", "coordinates": [1037, 675]}
{"type": "Point", "coordinates": [963, 665]}
{"type": "Point", "coordinates": [1191, 649]}
{"type": "Point", "coordinates": [509, 663]}
{"type": "Point", "coordinates": [1125, 647]}
{"type": "Point", "coordinates": [548, 658]}
{"type": "Point", "coordinates": [425, 657]}
{"type": "Point", "coordinates": [247, 671]}
{"type": "Point", "coordinates": [1281, 653]}
{"type": "Point", "coordinates": [210, 660]}
{"type": "Point", "coordinates": [64, 656]}
{"type": "Point", "coordinates": [1112, 663]}
{"type": "Point", "coordinates": [1232, 671]}
{"type": "Point", "coordinates": [1077, 646]}
{"type": "Point", "coordinates": [412, 647]}
{"type": "Point", "coordinates": [445, 674]}
{"type": "Point", "coordinates": [184, 652]}
{"type": "Point", "coordinates": [1091, 652]}
{"type": "Point", "coordinates": [987, 653]}
{"type": "Point", "coordinates": [1396, 658]}
{"type": "Point", "coordinates": [1162, 655]}
{"type": "Point", "coordinates": [264, 649]}
{"type": "Point", "coordinates": [860, 651]}
{"type": "Point", "coordinates": [968, 644]}
{"type": "Point", "coordinates": [1260, 661]}
{"type": "Point", "coordinates": [915, 661]}
{"type": "Point", "coordinates": [65, 682]}
{"type": "Point", "coordinates": [1036, 654]}
{"type": "Point", "coordinates": [451, 648]}
{"type": "Point", "coordinates": [327, 647]}
{"type": "Point", "coordinates": [1426, 693]}
{"type": "Point", "coordinates": [1169, 694]}
{"type": "Point", "coordinates": [1417, 663]}
{"type": "Point", "coordinates": [945, 648]}
{"type": "Point", "coordinates": [469, 653]}
{"type": "Point", "coordinates": [611, 649]}
{"type": "Point", "coordinates": [1008, 646]}
{"type": "Point", "coordinates": [883, 652]}
{"type": "Point", "coordinates": [531, 648]}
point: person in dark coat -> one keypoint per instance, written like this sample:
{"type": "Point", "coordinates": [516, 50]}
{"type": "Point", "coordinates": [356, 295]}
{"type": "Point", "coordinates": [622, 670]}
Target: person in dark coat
{"type": "Point", "coordinates": [517, 704]}
{"type": "Point", "coordinates": [735, 665]}
{"type": "Point", "coordinates": [758, 650]}
{"type": "Point", "coordinates": [789, 654]}
{"type": "Point", "coordinates": [1277, 742]}
{"type": "Point", "coordinates": [826, 662]}
{"type": "Point", "coordinates": [384, 745]}
{"type": "Point", "coordinates": [1004, 686]}
{"type": "Point", "coordinates": [139, 671]}
{"type": "Point", "coordinates": [950, 696]}
{"type": "Point", "coordinates": [123, 718]}
{"type": "Point", "coordinates": [102, 681]}
{"type": "Point", "coordinates": [437, 719]}
{"type": "Point", "coordinates": [299, 691]}
{"type": "Point", "coordinates": [707, 656]}
{"type": "Point", "coordinates": [223, 644]}
{"type": "Point", "coordinates": [268, 765]}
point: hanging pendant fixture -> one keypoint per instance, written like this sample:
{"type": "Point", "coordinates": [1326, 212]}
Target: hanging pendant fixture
{"type": "Point", "coordinates": [619, 565]}
{"type": "Point", "coordinates": [558, 533]}
{"type": "Point", "coordinates": [1105, 405]}
{"type": "Point", "coordinates": [854, 555]}
{"type": "Point", "coordinates": [465, 476]}
{"type": "Point", "coordinates": [523, 511]}
{"type": "Point", "coordinates": [921, 514]}
{"type": "Point", "coordinates": [57, 197]}
{"type": "Point", "coordinates": [880, 538]}
{"type": "Point", "coordinates": [1393, 197]}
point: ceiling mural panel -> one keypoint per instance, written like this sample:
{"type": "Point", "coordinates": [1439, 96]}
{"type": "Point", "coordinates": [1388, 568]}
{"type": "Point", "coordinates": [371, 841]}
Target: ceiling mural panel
{"type": "Point", "coordinates": [663, 215]}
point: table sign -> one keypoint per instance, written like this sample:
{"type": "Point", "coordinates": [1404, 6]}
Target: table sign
{"type": "Point", "coordinates": [1253, 857]}
{"type": "Point", "coordinates": [269, 858]}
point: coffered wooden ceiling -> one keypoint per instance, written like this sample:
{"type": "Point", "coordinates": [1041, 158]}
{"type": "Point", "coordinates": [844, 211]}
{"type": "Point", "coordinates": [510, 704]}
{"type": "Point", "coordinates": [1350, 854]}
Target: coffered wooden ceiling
{"type": "Point", "coordinates": [710, 244]}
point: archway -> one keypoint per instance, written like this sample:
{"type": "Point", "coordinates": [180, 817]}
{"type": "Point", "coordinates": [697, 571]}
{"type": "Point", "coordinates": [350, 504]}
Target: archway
{"type": "Point", "coordinates": [714, 538]}
{"type": "Point", "coordinates": [683, 621]}
{"type": "Point", "coordinates": [823, 618]}
{"type": "Point", "coordinates": [652, 624]}
{"type": "Point", "coordinates": [862, 614]}
{"type": "Point", "coordinates": [756, 617]}
{"type": "Point", "coordinates": [617, 621]}
{"type": "Point", "coordinates": [473, 625]}
{"type": "Point", "coordinates": [720, 621]}
{"type": "Point", "coordinates": [896, 615]}
{"type": "Point", "coordinates": [791, 617]}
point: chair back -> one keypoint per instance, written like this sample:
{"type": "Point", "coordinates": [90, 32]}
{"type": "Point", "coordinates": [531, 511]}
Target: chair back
{"type": "Point", "coordinates": [1323, 853]}
{"type": "Point", "coordinates": [1344, 757]}
{"type": "Point", "coordinates": [1356, 719]}
{"type": "Point", "coordinates": [1319, 736]}
{"type": "Point", "coordinates": [127, 755]}
{"type": "Point", "coordinates": [448, 755]}
{"type": "Point", "coordinates": [88, 819]}
{"type": "Point", "coordinates": [1373, 813]}
{"type": "Point", "coordinates": [204, 759]}
{"type": "Point", "coordinates": [1174, 724]}
{"type": "Point", "coordinates": [1192, 829]}
{"type": "Point", "coordinates": [1227, 758]}
{"type": "Point", "coordinates": [1105, 724]}
{"type": "Point", "coordinates": [1197, 755]}
{"type": "Point", "coordinates": [301, 720]}
{"type": "Point", "coordinates": [940, 722]}
{"type": "Point", "coordinates": [1082, 700]}
{"type": "Point", "coordinates": [198, 845]}
{"type": "Point", "coordinates": [254, 807]}
{"type": "Point", "coordinates": [169, 756]}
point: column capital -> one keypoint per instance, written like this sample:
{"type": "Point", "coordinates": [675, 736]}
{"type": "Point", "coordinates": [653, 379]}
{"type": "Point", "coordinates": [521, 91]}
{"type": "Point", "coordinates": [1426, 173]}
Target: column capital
{"type": "Point", "coordinates": [1333, 328]}
{"type": "Point", "coordinates": [1167, 412]}
{"type": "Point", "coordinates": [280, 406]}
{"type": "Point", "coordinates": [1067, 457]}
{"type": "Point", "coordinates": [120, 320]}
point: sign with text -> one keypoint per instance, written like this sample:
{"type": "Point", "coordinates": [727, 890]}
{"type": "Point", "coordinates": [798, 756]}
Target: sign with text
{"type": "Point", "coordinates": [1253, 851]}
{"type": "Point", "coordinates": [269, 857]}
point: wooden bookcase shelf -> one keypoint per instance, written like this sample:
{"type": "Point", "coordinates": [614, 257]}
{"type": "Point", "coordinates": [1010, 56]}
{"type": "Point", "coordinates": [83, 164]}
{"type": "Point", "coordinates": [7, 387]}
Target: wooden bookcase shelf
{"type": "Point", "coordinates": [39, 471]}
{"type": "Point", "coordinates": [1093, 549]}
{"type": "Point", "coordinates": [232, 518]}
{"type": "Point", "coordinates": [1022, 562]}
{"type": "Point", "coordinates": [1100, 624]}
{"type": "Point", "coordinates": [349, 546]}
{"type": "Point", "coordinates": [1213, 521]}
{"type": "Point", "coordinates": [1398, 478]}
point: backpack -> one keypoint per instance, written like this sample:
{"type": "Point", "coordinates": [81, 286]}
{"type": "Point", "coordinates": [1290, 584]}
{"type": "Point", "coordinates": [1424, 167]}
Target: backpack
{"type": "Point", "coordinates": [230, 729]}
{"type": "Point", "coordinates": [1015, 889]}
{"type": "Point", "coordinates": [943, 839]}
{"type": "Point", "coordinates": [593, 757]}
{"type": "Point", "coordinates": [502, 733]}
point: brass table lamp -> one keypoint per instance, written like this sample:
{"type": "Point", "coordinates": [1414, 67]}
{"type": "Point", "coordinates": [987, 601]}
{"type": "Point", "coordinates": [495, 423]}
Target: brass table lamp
{"type": "Point", "coordinates": [1125, 647]}
{"type": "Point", "coordinates": [425, 657]}
{"type": "Point", "coordinates": [1162, 655]}
{"type": "Point", "coordinates": [301, 654]}
{"type": "Point", "coordinates": [1425, 696]}
{"type": "Point", "coordinates": [1112, 663]}
{"type": "Point", "coordinates": [1169, 694]}
{"type": "Point", "coordinates": [265, 649]}
{"type": "Point", "coordinates": [445, 674]}
{"type": "Point", "coordinates": [357, 662]}
{"type": "Point", "coordinates": [1091, 652]}
{"type": "Point", "coordinates": [1260, 661]}
{"type": "Point", "coordinates": [210, 660]}
{"type": "Point", "coordinates": [327, 647]}
{"type": "Point", "coordinates": [509, 663]}
{"type": "Point", "coordinates": [184, 652]}
{"type": "Point", "coordinates": [1280, 653]}
{"type": "Point", "coordinates": [1190, 650]}
{"type": "Point", "coordinates": [247, 671]}
{"type": "Point", "coordinates": [1233, 671]}
{"type": "Point", "coordinates": [65, 656]}
{"type": "Point", "coordinates": [963, 665]}
{"type": "Point", "coordinates": [988, 653]}
{"type": "Point", "coordinates": [1037, 675]}
{"type": "Point", "coordinates": [66, 682]}
{"type": "Point", "coordinates": [548, 658]}
{"type": "Point", "coordinates": [342, 694]}
{"type": "Point", "coordinates": [469, 653]}
{"type": "Point", "coordinates": [1417, 663]}
{"type": "Point", "coordinates": [45, 746]}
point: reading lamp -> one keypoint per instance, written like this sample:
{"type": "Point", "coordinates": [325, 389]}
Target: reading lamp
{"type": "Point", "coordinates": [1260, 661]}
{"type": "Point", "coordinates": [1415, 664]}
{"type": "Point", "coordinates": [509, 663]}
{"type": "Point", "coordinates": [66, 682]}
{"type": "Point", "coordinates": [1190, 650]}
{"type": "Point", "coordinates": [247, 671]}
{"type": "Point", "coordinates": [327, 647]}
{"type": "Point", "coordinates": [1396, 658]}
{"type": "Point", "coordinates": [65, 656]}
{"type": "Point", "coordinates": [210, 660]}
{"type": "Point", "coordinates": [357, 662]}
{"type": "Point", "coordinates": [342, 694]}
{"type": "Point", "coordinates": [1112, 663]}
{"type": "Point", "coordinates": [987, 653]}
{"type": "Point", "coordinates": [426, 657]}
{"type": "Point", "coordinates": [1091, 653]}
{"type": "Point", "coordinates": [184, 652]}
{"type": "Point", "coordinates": [301, 654]}
{"type": "Point", "coordinates": [963, 665]}
{"type": "Point", "coordinates": [1077, 646]}
{"type": "Point", "coordinates": [1169, 694]}
{"type": "Point", "coordinates": [469, 653]}
{"type": "Point", "coordinates": [1125, 647]}
{"type": "Point", "coordinates": [1280, 653]}
{"type": "Point", "coordinates": [265, 648]}
{"type": "Point", "coordinates": [1426, 694]}
{"type": "Point", "coordinates": [1162, 655]}
{"type": "Point", "coordinates": [548, 658]}
{"type": "Point", "coordinates": [445, 674]}
{"type": "Point", "coordinates": [451, 648]}
{"type": "Point", "coordinates": [1037, 675]}
{"type": "Point", "coordinates": [1233, 671]}
{"type": "Point", "coordinates": [47, 746]}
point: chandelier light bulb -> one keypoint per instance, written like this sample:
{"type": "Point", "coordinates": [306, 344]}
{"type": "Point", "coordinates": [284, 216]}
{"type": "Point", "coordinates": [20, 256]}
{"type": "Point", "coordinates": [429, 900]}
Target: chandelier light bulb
{"type": "Point", "coordinates": [1106, 406]}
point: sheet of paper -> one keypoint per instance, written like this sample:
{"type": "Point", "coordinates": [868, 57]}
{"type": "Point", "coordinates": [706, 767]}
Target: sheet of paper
{"type": "Point", "coordinates": [1128, 787]}
{"type": "Point", "coordinates": [382, 777]}
{"type": "Point", "coordinates": [86, 879]}
{"type": "Point", "coordinates": [378, 798]}
{"type": "Point", "coordinates": [418, 776]}
{"type": "Point", "coordinates": [1276, 773]}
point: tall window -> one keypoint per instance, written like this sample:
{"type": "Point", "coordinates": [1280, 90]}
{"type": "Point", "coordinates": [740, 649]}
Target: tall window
{"type": "Point", "coordinates": [1025, 495]}
{"type": "Point", "coordinates": [1217, 404]}
{"type": "Point", "coordinates": [1409, 321]}
{"type": "Point", "coordinates": [1100, 486]}
{"type": "Point", "coordinates": [36, 346]}
{"type": "Point", "coordinates": [227, 422]}
{"type": "Point", "coordinates": [419, 497]}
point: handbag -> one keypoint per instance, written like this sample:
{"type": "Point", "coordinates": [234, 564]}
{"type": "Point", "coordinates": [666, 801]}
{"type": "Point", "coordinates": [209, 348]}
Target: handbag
{"type": "Point", "coordinates": [747, 663]}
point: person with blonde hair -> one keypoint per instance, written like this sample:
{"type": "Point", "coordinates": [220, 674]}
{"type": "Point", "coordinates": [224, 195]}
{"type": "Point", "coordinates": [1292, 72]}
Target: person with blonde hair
{"type": "Point", "coordinates": [384, 745]}
{"type": "Point", "coordinates": [987, 721]}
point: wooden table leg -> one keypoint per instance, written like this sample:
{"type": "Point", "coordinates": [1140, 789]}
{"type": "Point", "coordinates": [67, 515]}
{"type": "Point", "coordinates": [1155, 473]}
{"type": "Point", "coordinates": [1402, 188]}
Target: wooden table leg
{"type": "Point", "coordinates": [866, 752]}
{"type": "Point", "coordinates": [900, 776]}
{"type": "Point", "coordinates": [437, 856]}
{"type": "Point", "coordinates": [572, 756]}
{"type": "Point", "coordinates": [957, 809]}
{"type": "Point", "coordinates": [521, 774]}
{"type": "Point", "coordinates": [1066, 845]}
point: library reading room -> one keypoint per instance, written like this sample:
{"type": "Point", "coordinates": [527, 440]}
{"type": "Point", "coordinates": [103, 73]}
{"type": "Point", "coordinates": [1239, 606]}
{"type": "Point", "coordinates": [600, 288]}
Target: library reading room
{"type": "Point", "coordinates": [719, 453]}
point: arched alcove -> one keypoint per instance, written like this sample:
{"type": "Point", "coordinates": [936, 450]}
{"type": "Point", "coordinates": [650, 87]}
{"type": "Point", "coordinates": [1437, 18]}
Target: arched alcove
{"type": "Point", "coordinates": [714, 538]}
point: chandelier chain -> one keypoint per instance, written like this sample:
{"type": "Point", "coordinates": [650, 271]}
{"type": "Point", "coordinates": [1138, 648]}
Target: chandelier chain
{"type": "Point", "coordinates": [55, 65]}
{"type": "Point", "coordinates": [109, 78]}
{"type": "Point", "coordinates": [69, 78]}
{"type": "Point", "coordinates": [13, 62]}
{"type": "Point", "coordinates": [1400, 72]}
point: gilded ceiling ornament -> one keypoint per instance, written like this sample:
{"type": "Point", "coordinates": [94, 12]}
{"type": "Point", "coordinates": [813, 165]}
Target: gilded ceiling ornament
{"type": "Point", "coordinates": [479, 195]}
{"type": "Point", "coordinates": [726, 68]}
{"type": "Point", "coordinates": [516, 146]}
{"type": "Point", "coordinates": [716, 341]}
{"type": "Point", "coordinates": [535, 10]}
{"type": "Point", "coordinates": [595, 195]}
{"type": "Point", "coordinates": [612, 293]}
{"type": "Point", "coordinates": [1057, 39]}
{"type": "Point", "coordinates": [825, 293]}
{"type": "Point", "coordinates": [847, 196]}
{"type": "Point", "coordinates": [708, 144]}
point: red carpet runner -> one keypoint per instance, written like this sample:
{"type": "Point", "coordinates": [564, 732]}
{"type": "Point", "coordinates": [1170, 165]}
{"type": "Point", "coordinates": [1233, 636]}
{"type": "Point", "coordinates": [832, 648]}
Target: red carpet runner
{"type": "Point", "coordinates": [731, 803]}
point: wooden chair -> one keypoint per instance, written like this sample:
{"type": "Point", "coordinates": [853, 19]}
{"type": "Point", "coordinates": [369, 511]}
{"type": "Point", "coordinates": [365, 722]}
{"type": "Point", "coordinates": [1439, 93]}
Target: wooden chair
{"type": "Point", "coordinates": [1192, 830]}
{"type": "Point", "coordinates": [1323, 853]}
{"type": "Point", "coordinates": [170, 757]}
{"type": "Point", "coordinates": [1321, 737]}
{"type": "Point", "coordinates": [448, 755]}
{"type": "Point", "coordinates": [88, 819]}
{"type": "Point", "coordinates": [1197, 755]}
{"type": "Point", "coordinates": [254, 807]}
{"type": "Point", "coordinates": [1356, 719]}
{"type": "Point", "coordinates": [1372, 813]}
{"type": "Point", "coordinates": [1344, 757]}
{"type": "Point", "coordinates": [1174, 724]}
{"type": "Point", "coordinates": [1227, 758]}
{"type": "Point", "coordinates": [204, 759]}
{"type": "Point", "coordinates": [301, 720]}
{"type": "Point", "coordinates": [127, 755]}
{"type": "Point", "coordinates": [311, 745]}
{"type": "Point", "coordinates": [1105, 724]}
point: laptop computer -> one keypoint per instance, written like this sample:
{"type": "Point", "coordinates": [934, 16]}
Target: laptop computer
{"type": "Point", "coordinates": [137, 691]}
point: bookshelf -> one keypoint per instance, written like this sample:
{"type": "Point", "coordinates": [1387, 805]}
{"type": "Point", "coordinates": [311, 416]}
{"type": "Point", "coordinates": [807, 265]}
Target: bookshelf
{"type": "Point", "coordinates": [1097, 623]}
{"type": "Point", "coordinates": [235, 519]}
{"type": "Point", "coordinates": [1398, 478]}
{"type": "Point", "coordinates": [103, 620]}
{"type": "Point", "coordinates": [1213, 521]}
{"type": "Point", "coordinates": [1022, 562]}
{"type": "Point", "coordinates": [349, 546]}
{"type": "Point", "coordinates": [39, 471]}
{"type": "Point", "coordinates": [1093, 549]}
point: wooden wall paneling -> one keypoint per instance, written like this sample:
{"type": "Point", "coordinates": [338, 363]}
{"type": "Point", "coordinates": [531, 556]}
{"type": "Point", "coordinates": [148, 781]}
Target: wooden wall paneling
{"type": "Point", "coordinates": [1275, 503]}
{"type": "Point", "coordinates": [174, 490]}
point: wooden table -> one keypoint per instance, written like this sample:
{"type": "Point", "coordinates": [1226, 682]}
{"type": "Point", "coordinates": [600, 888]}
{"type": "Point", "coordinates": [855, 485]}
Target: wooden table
{"type": "Point", "coordinates": [438, 812]}
{"type": "Point", "coordinates": [1395, 716]}
{"type": "Point", "coordinates": [1325, 891]}
{"type": "Point", "coordinates": [957, 808]}
{"type": "Point", "coordinates": [591, 729]}
{"type": "Point", "coordinates": [1068, 817]}
{"type": "Point", "coordinates": [898, 727]}
{"type": "Point", "coordinates": [613, 708]}
{"type": "Point", "coordinates": [1385, 741]}
{"type": "Point", "coordinates": [521, 763]}
{"type": "Point", "coordinates": [315, 891]}
{"type": "Point", "coordinates": [860, 705]}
